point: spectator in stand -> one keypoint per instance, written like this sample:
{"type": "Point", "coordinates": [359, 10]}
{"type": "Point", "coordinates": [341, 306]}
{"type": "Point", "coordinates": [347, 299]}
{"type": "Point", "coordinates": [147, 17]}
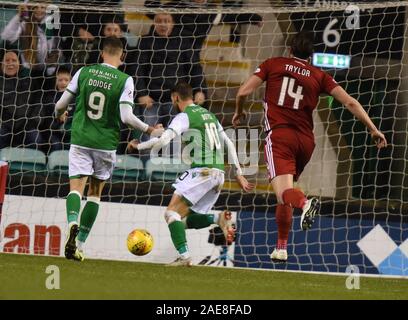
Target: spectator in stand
{"type": "Point", "coordinates": [55, 135]}
{"type": "Point", "coordinates": [27, 32]}
{"type": "Point", "coordinates": [115, 28]}
{"type": "Point", "coordinates": [199, 25]}
{"type": "Point", "coordinates": [18, 104]}
{"type": "Point", "coordinates": [165, 57]}
{"type": "Point", "coordinates": [79, 28]}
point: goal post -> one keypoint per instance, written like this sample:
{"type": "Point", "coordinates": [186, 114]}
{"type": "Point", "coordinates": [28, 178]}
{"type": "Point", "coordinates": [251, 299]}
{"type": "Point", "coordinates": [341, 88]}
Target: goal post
{"type": "Point", "coordinates": [364, 192]}
{"type": "Point", "coordinates": [3, 180]}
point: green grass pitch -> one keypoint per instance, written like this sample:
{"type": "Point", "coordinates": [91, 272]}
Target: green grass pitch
{"type": "Point", "coordinates": [24, 277]}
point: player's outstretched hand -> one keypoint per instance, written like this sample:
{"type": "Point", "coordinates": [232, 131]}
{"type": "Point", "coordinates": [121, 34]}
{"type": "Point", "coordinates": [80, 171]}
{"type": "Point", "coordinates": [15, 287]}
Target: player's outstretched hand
{"type": "Point", "coordinates": [244, 184]}
{"type": "Point", "coordinates": [238, 117]}
{"type": "Point", "coordinates": [132, 145]}
{"type": "Point", "coordinates": [379, 139]}
{"type": "Point", "coordinates": [156, 131]}
{"type": "Point", "coordinates": [63, 117]}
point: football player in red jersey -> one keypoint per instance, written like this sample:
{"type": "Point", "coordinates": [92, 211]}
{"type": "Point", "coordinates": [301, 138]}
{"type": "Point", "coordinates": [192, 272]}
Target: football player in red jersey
{"type": "Point", "coordinates": [293, 87]}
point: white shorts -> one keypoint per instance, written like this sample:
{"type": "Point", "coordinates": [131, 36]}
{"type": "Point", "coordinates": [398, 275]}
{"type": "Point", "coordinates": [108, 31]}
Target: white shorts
{"type": "Point", "coordinates": [200, 187]}
{"type": "Point", "coordinates": [90, 162]}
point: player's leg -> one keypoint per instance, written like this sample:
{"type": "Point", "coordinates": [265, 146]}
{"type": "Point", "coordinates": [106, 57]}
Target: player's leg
{"type": "Point", "coordinates": [90, 210]}
{"type": "Point", "coordinates": [286, 155]}
{"type": "Point", "coordinates": [281, 147]}
{"type": "Point", "coordinates": [177, 209]}
{"type": "Point", "coordinates": [73, 206]}
{"type": "Point", "coordinates": [284, 216]}
{"type": "Point", "coordinates": [197, 220]}
{"type": "Point", "coordinates": [82, 163]}
{"type": "Point", "coordinates": [279, 156]}
{"type": "Point", "coordinates": [312, 205]}
{"type": "Point", "coordinates": [73, 201]}
{"type": "Point", "coordinates": [200, 218]}
{"type": "Point", "coordinates": [103, 165]}
{"type": "Point", "coordinates": [190, 188]}
{"type": "Point", "coordinates": [295, 198]}
{"type": "Point", "coordinates": [80, 167]}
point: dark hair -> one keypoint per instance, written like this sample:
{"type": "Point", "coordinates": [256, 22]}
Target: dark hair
{"type": "Point", "coordinates": [184, 90]}
{"type": "Point", "coordinates": [5, 51]}
{"type": "Point", "coordinates": [164, 13]}
{"type": "Point", "coordinates": [63, 69]}
{"type": "Point", "coordinates": [116, 19]}
{"type": "Point", "coordinates": [302, 44]}
{"type": "Point", "coordinates": [112, 45]}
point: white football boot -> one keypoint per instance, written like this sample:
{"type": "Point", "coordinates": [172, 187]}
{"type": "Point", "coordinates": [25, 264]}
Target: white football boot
{"type": "Point", "coordinates": [310, 209]}
{"type": "Point", "coordinates": [180, 262]}
{"type": "Point", "coordinates": [279, 255]}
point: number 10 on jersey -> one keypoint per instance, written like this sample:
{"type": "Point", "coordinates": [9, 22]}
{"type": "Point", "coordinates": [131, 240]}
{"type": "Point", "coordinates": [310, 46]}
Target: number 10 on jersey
{"type": "Point", "coordinates": [212, 134]}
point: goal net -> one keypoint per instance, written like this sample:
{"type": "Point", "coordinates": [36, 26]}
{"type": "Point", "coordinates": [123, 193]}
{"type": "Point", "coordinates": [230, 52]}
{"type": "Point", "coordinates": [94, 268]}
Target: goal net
{"type": "Point", "coordinates": [216, 46]}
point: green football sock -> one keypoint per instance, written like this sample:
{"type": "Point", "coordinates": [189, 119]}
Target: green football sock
{"type": "Point", "coordinates": [199, 221]}
{"type": "Point", "coordinates": [73, 205]}
{"type": "Point", "coordinates": [88, 217]}
{"type": "Point", "coordinates": [178, 236]}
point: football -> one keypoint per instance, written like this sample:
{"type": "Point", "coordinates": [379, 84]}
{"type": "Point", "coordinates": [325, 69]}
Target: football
{"type": "Point", "coordinates": [140, 242]}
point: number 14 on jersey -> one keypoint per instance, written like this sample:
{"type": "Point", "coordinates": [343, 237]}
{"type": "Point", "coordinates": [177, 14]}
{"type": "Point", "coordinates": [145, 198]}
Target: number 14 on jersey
{"type": "Point", "coordinates": [288, 88]}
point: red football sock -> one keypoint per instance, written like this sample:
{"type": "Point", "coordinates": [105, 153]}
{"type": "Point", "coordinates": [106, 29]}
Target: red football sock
{"type": "Point", "coordinates": [294, 198]}
{"type": "Point", "coordinates": [284, 221]}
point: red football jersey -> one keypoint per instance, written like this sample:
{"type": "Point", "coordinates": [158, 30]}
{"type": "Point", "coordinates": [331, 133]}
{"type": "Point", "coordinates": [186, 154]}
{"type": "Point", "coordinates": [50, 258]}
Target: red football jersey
{"type": "Point", "coordinates": [293, 87]}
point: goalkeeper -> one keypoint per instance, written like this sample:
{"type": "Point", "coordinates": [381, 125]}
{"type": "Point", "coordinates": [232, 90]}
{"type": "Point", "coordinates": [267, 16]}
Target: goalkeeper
{"type": "Point", "coordinates": [196, 190]}
{"type": "Point", "coordinates": [104, 96]}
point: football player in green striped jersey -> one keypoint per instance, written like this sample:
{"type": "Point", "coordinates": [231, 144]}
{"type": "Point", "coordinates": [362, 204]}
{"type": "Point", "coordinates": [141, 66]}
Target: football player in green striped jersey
{"type": "Point", "coordinates": [103, 97]}
{"type": "Point", "coordinates": [196, 190]}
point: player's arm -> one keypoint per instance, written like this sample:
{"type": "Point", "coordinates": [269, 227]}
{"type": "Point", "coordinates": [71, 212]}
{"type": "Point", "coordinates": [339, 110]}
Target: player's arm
{"type": "Point", "coordinates": [245, 90]}
{"type": "Point", "coordinates": [232, 155]}
{"type": "Point", "coordinates": [126, 109]}
{"type": "Point", "coordinates": [61, 106]}
{"type": "Point", "coordinates": [179, 124]}
{"type": "Point", "coordinates": [357, 110]}
{"type": "Point", "coordinates": [127, 117]}
{"type": "Point", "coordinates": [66, 98]}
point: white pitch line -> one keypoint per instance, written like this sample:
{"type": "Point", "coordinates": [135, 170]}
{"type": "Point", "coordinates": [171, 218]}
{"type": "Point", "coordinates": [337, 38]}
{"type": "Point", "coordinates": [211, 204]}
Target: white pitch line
{"type": "Point", "coordinates": [338, 274]}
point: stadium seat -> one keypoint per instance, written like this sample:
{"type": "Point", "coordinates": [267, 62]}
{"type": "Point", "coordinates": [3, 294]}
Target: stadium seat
{"type": "Point", "coordinates": [164, 169]}
{"type": "Point", "coordinates": [128, 168]}
{"type": "Point", "coordinates": [58, 162]}
{"type": "Point", "coordinates": [24, 159]}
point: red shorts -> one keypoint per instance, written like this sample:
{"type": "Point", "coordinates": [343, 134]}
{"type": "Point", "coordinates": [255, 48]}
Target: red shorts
{"type": "Point", "coordinates": [287, 151]}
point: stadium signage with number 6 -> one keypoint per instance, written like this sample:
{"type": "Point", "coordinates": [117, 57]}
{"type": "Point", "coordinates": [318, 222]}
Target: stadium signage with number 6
{"type": "Point", "coordinates": [331, 37]}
